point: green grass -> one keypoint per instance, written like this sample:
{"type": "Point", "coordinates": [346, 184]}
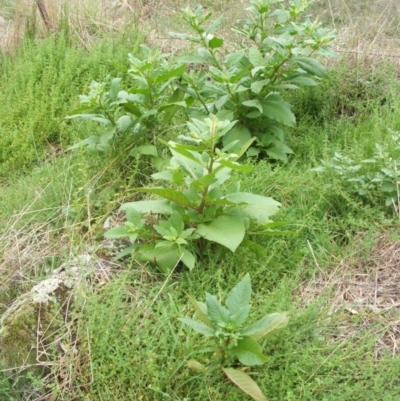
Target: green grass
{"type": "Point", "coordinates": [126, 341]}
{"type": "Point", "coordinates": [40, 84]}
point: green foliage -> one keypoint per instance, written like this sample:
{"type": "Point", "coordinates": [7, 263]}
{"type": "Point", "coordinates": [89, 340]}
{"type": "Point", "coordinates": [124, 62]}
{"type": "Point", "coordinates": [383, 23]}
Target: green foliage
{"type": "Point", "coordinates": [278, 52]}
{"type": "Point", "coordinates": [375, 178]}
{"type": "Point", "coordinates": [225, 324]}
{"type": "Point", "coordinates": [39, 86]}
{"type": "Point", "coordinates": [195, 202]}
{"type": "Point", "coordinates": [130, 319]}
{"type": "Point", "coordinates": [134, 112]}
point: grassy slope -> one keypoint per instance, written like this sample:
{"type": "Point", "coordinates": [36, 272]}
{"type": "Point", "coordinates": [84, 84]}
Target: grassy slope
{"type": "Point", "coordinates": [132, 345]}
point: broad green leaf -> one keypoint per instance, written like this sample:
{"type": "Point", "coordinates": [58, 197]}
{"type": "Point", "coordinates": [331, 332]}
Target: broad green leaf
{"type": "Point", "coordinates": [176, 72]}
{"type": "Point", "coordinates": [257, 86]}
{"type": "Point", "coordinates": [213, 26]}
{"type": "Point", "coordinates": [149, 113]}
{"type": "Point", "coordinates": [201, 311]}
{"type": "Point", "coordinates": [245, 383]}
{"type": "Point", "coordinates": [106, 137]}
{"type": "Point", "coordinates": [239, 134]}
{"type": "Point", "coordinates": [195, 169]}
{"type": "Point", "coordinates": [176, 221]}
{"type": "Point", "coordinates": [218, 314]}
{"type": "Point", "coordinates": [256, 58]}
{"type": "Point", "coordinates": [127, 251]}
{"type": "Point", "coordinates": [176, 97]}
{"type": "Point", "coordinates": [225, 230]}
{"type": "Point", "coordinates": [207, 55]}
{"type": "Point", "coordinates": [140, 96]}
{"type": "Point", "coordinates": [118, 232]}
{"type": "Point", "coordinates": [244, 148]}
{"type": "Point", "coordinates": [258, 207]}
{"type": "Point", "coordinates": [165, 230]}
{"type": "Point", "coordinates": [188, 259]}
{"type": "Point", "coordinates": [267, 325]}
{"type": "Point", "coordinates": [234, 58]}
{"type": "Point", "coordinates": [215, 42]}
{"type": "Point", "coordinates": [275, 108]}
{"type": "Point", "coordinates": [253, 152]}
{"type": "Point", "coordinates": [236, 166]}
{"type": "Point", "coordinates": [222, 100]}
{"type": "Point", "coordinates": [223, 174]}
{"type": "Point", "coordinates": [240, 316]}
{"type": "Point", "coordinates": [144, 150]}
{"type": "Point", "coordinates": [168, 193]}
{"type": "Point", "coordinates": [236, 77]}
{"type": "Point", "coordinates": [134, 217]}
{"type": "Point", "coordinates": [166, 258]}
{"type": "Point", "coordinates": [277, 153]}
{"type": "Point", "coordinates": [184, 150]}
{"type": "Point", "coordinates": [131, 108]}
{"type": "Point", "coordinates": [281, 15]}
{"type": "Point", "coordinates": [248, 351]}
{"type": "Point", "coordinates": [253, 114]}
{"type": "Point", "coordinates": [255, 103]}
{"type": "Point", "coordinates": [240, 295]}
{"type": "Point", "coordinates": [198, 326]}
{"type": "Point", "coordinates": [255, 70]}
{"type": "Point", "coordinates": [114, 88]}
{"type": "Point", "coordinates": [285, 86]}
{"type": "Point", "coordinates": [388, 186]}
{"type": "Point", "coordinates": [204, 181]}
{"type": "Point", "coordinates": [301, 79]}
{"type": "Point", "coordinates": [156, 206]}
{"type": "Point", "coordinates": [311, 66]}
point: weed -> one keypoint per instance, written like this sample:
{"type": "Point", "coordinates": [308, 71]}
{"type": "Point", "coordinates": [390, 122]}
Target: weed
{"type": "Point", "coordinates": [225, 325]}
{"type": "Point", "coordinates": [201, 212]}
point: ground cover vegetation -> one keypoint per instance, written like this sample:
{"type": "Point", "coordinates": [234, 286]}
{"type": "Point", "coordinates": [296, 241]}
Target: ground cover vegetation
{"type": "Point", "coordinates": [173, 134]}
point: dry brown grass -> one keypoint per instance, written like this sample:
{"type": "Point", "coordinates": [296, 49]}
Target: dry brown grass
{"type": "Point", "coordinates": [366, 28]}
{"type": "Point", "coordinates": [25, 252]}
{"type": "Point", "coordinates": [86, 18]}
{"type": "Point", "coordinates": [364, 292]}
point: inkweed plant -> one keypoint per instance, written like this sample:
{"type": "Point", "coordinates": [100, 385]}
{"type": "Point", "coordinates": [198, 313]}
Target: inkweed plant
{"type": "Point", "coordinates": [278, 52]}
{"type": "Point", "coordinates": [134, 112]}
{"type": "Point", "coordinates": [195, 205]}
{"type": "Point", "coordinates": [233, 340]}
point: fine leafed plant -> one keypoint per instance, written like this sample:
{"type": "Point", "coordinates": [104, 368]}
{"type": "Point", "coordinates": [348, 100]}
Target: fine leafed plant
{"type": "Point", "coordinates": [232, 338]}
{"type": "Point", "coordinates": [196, 205]}
{"type": "Point", "coordinates": [278, 52]}
{"type": "Point", "coordinates": [374, 178]}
